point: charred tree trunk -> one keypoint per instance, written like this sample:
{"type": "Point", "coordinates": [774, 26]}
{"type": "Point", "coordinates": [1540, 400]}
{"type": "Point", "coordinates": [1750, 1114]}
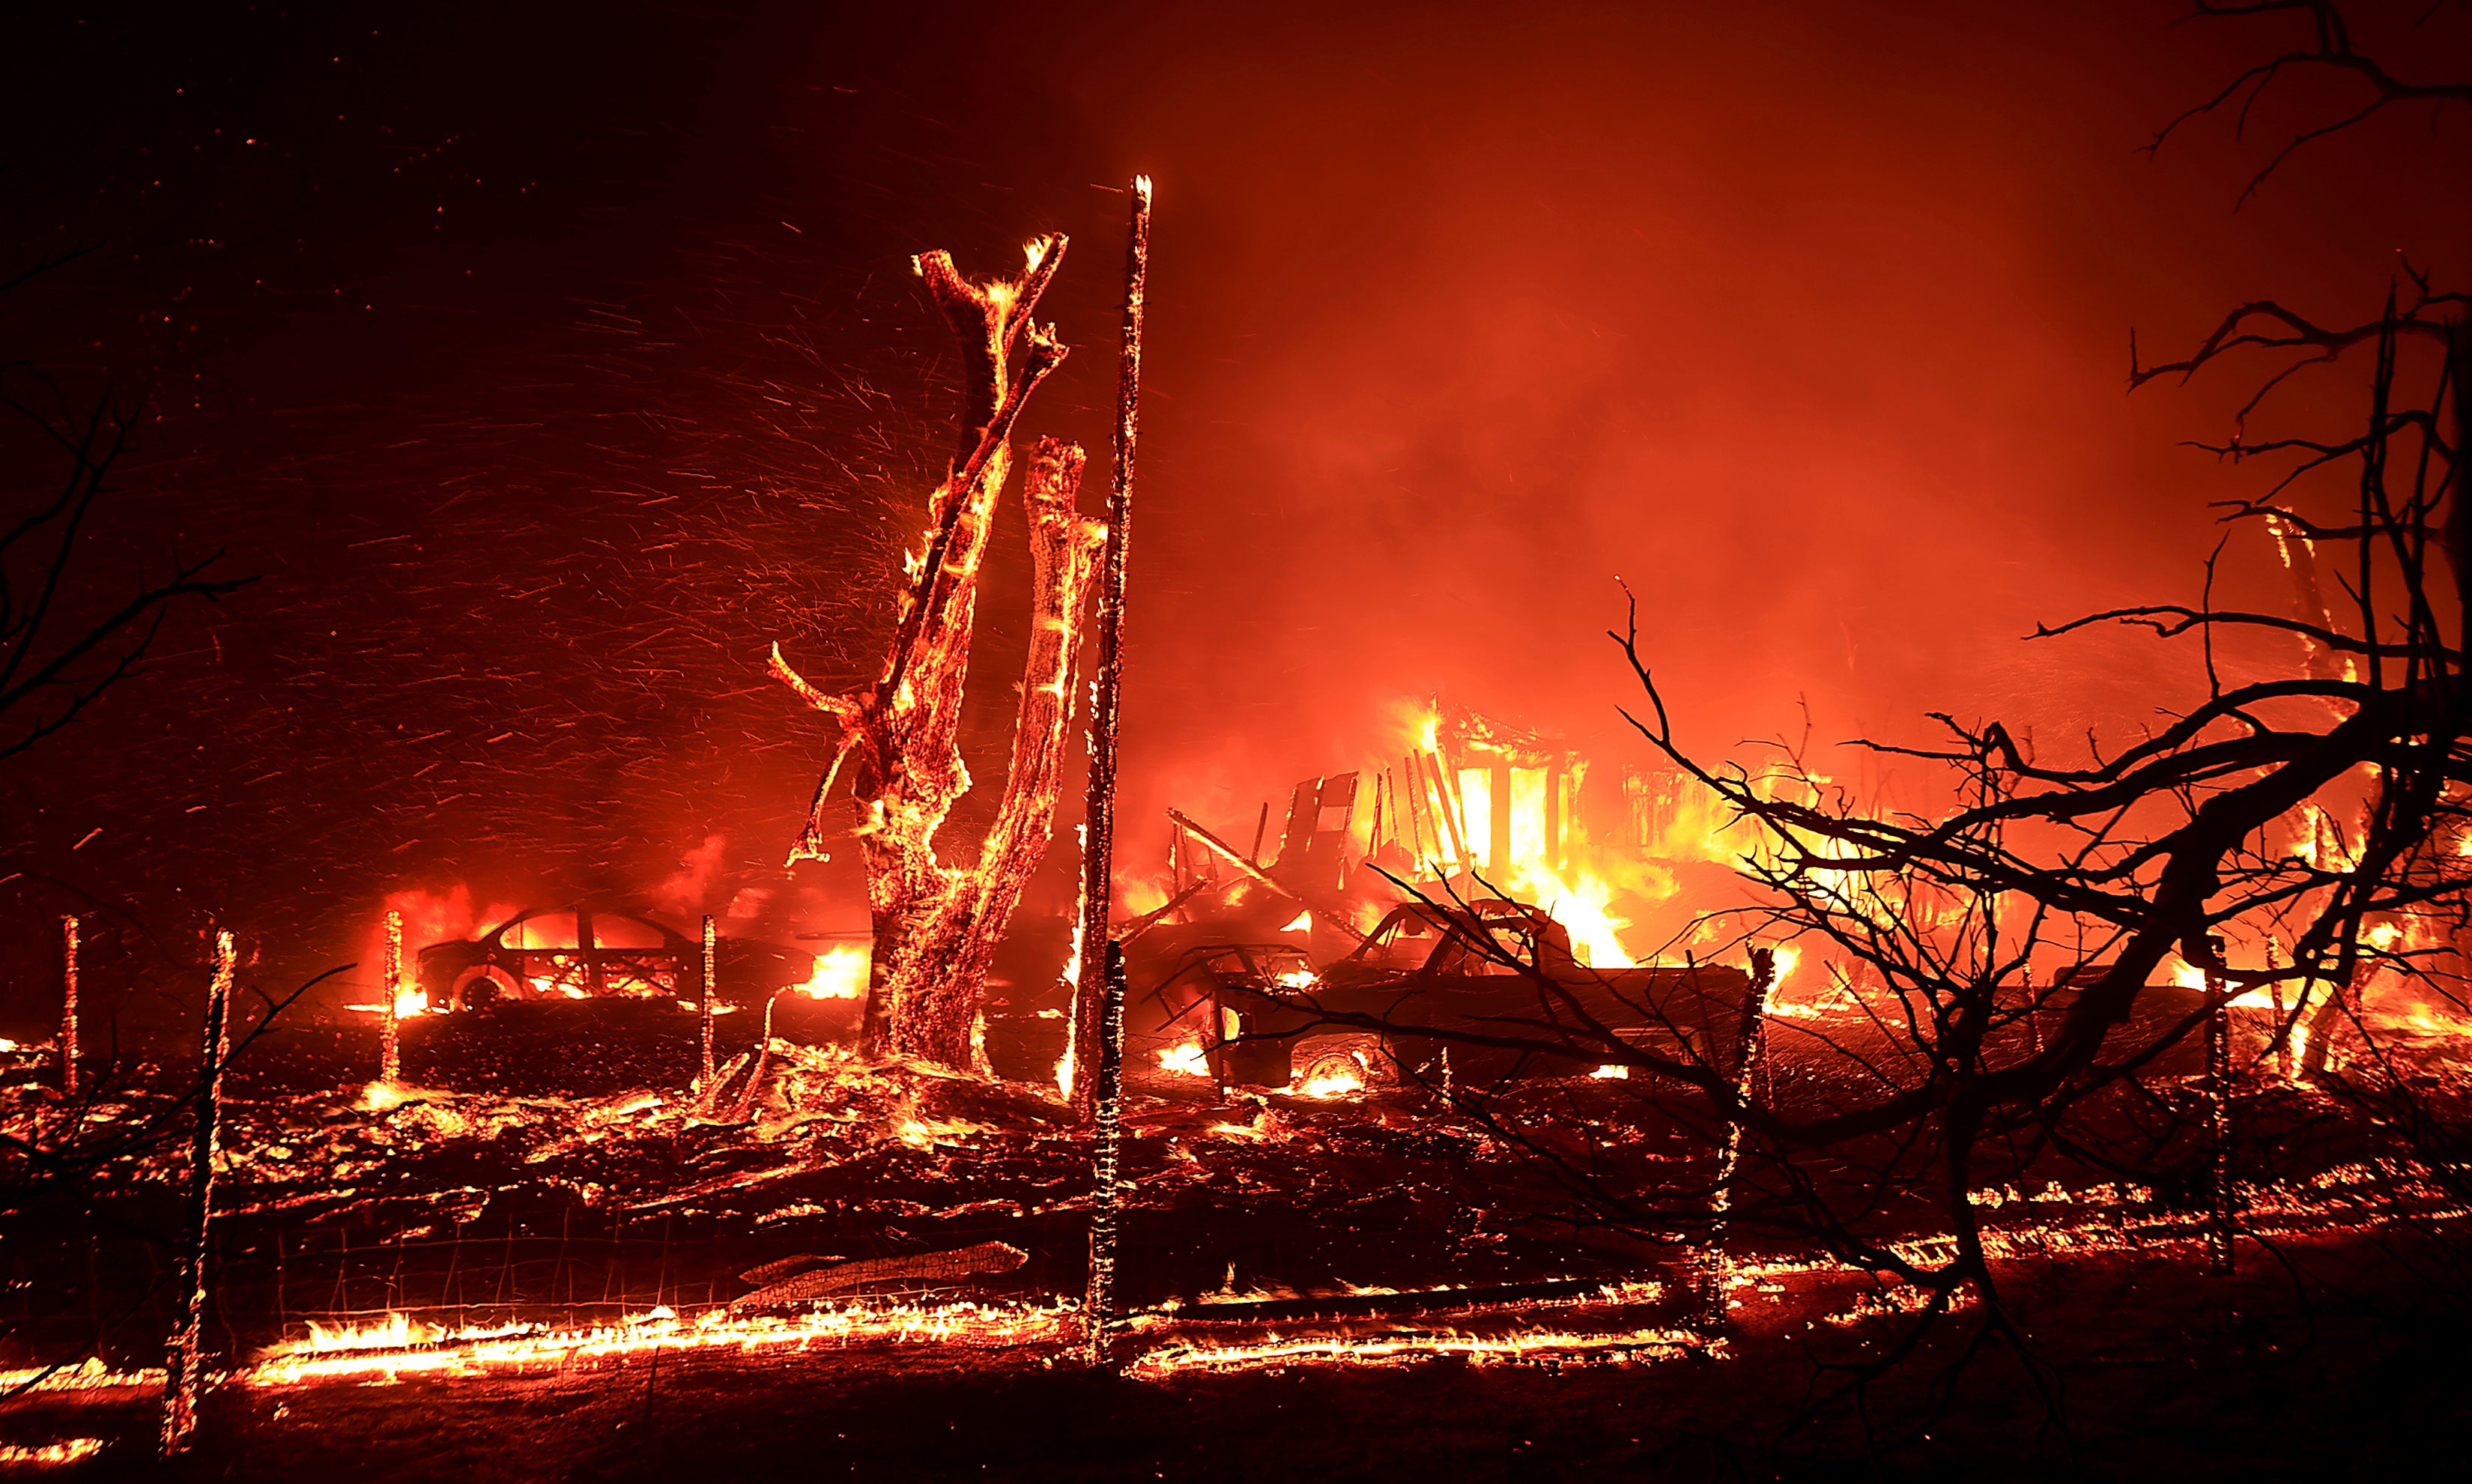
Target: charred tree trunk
{"type": "Point", "coordinates": [936, 926]}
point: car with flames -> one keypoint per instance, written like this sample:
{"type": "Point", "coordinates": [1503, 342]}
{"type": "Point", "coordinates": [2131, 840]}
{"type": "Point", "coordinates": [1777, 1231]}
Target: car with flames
{"type": "Point", "coordinates": [1432, 973]}
{"type": "Point", "coordinates": [581, 953]}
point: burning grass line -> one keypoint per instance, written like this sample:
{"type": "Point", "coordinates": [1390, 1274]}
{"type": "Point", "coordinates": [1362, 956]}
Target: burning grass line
{"type": "Point", "coordinates": [1527, 1348]}
{"type": "Point", "coordinates": [714, 1331]}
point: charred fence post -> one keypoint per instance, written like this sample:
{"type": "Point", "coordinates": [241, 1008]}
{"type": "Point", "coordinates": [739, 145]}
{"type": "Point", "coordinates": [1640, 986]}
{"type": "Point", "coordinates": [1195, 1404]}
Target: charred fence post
{"type": "Point", "coordinates": [704, 1005]}
{"type": "Point", "coordinates": [1752, 1045]}
{"type": "Point", "coordinates": [2221, 1225]}
{"type": "Point", "coordinates": [391, 1038]}
{"type": "Point", "coordinates": [184, 1373]}
{"type": "Point", "coordinates": [69, 1049]}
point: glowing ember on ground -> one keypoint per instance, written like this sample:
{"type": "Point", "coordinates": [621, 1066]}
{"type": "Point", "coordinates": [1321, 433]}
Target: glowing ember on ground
{"type": "Point", "coordinates": [68, 1450]}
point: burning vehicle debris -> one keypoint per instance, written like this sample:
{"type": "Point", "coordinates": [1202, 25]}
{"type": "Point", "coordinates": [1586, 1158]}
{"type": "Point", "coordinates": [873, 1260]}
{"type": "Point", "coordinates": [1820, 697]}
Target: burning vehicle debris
{"type": "Point", "coordinates": [579, 953]}
{"type": "Point", "coordinates": [568, 971]}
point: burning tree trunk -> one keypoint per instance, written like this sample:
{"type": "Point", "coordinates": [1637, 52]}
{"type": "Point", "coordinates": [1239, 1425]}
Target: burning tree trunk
{"type": "Point", "coordinates": [936, 926]}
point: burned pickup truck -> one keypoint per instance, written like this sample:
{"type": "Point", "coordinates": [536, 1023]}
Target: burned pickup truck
{"type": "Point", "coordinates": [1479, 992]}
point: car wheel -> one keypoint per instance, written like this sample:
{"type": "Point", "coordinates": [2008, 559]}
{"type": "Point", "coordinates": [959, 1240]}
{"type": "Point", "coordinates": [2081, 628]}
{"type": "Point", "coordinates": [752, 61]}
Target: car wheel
{"type": "Point", "coordinates": [482, 986]}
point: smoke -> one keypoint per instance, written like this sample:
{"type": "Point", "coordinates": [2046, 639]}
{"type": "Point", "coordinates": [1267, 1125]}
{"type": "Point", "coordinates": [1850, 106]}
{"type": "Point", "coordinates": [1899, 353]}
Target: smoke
{"type": "Point", "coordinates": [690, 891]}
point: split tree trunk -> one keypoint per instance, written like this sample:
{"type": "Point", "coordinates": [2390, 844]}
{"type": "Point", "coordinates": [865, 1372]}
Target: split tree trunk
{"type": "Point", "coordinates": [936, 926]}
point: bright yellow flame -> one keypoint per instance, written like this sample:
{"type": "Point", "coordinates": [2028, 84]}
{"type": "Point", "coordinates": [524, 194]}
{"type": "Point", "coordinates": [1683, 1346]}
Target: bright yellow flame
{"type": "Point", "coordinates": [1476, 813]}
{"type": "Point", "coordinates": [840, 973]}
{"type": "Point", "coordinates": [1334, 1076]}
{"type": "Point", "coordinates": [1582, 902]}
{"type": "Point", "coordinates": [411, 1000]}
{"type": "Point", "coordinates": [44, 1456]}
{"type": "Point", "coordinates": [1612, 1073]}
{"type": "Point", "coordinates": [481, 1352]}
{"type": "Point", "coordinates": [1303, 922]}
{"type": "Point", "coordinates": [1186, 1059]}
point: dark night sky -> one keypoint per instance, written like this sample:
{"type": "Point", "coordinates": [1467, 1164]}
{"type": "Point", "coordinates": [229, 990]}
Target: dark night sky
{"type": "Point", "coordinates": [546, 365]}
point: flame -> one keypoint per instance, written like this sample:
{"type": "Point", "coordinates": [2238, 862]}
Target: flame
{"type": "Point", "coordinates": [396, 1332]}
{"type": "Point", "coordinates": [1612, 1073]}
{"type": "Point", "coordinates": [1186, 1059]}
{"type": "Point", "coordinates": [1334, 1076]}
{"type": "Point", "coordinates": [840, 973]}
{"type": "Point", "coordinates": [516, 1348]}
{"type": "Point", "coordinates": [1300, 979]}
{"type": "Point", "coordinates": [44, 1456]}
{"type": "Point", "coordinates": [1392, 1349]}
{"type": "Point", "coordinates": [410, 999]}
{"type": "Point", "coordinates": [1303, 922]}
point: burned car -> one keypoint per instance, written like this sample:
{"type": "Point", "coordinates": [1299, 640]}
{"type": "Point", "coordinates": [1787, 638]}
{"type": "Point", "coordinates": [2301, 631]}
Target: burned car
{"type": "Point", "coordinates": [1494, 968]}
{"type": "Point", "coordinates": [580, 953]}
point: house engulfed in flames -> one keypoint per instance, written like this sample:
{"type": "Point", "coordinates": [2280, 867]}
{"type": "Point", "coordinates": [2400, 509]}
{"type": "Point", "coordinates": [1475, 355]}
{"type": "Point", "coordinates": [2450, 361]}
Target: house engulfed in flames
{"type": "Point", "coordinates": [1467, 806]}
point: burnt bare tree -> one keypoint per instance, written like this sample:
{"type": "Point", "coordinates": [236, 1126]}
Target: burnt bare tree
{"type": "Point", "coordinates": [936, 924]}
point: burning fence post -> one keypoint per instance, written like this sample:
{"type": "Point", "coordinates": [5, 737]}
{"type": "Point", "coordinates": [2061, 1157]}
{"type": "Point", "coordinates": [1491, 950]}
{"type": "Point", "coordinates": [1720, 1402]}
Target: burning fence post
{"type": "Point", "coordinates": [2219, 1121]}
{"type": "Point", "coordinates": [68, 1006]}
{"type": "Point", "coordinates": [1099, 832]}
{"type": "Point", "coordinates": [703, 1007]}
{"type": "Point", "coordinates": [183, 1364]}
{"type": "Point", "coordinates": [1752, 1048]}
{"type": "Point", "coordinates": [390, 1036]}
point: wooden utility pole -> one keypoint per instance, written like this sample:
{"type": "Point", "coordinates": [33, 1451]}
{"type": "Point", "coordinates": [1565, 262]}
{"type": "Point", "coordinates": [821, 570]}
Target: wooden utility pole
{"type": "Point", "coordinates": [68, 1006]}
{"type": "Point", "coordinates": [1102, 988]}
{"type": "Point", "coordinates": [183, 1365]}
